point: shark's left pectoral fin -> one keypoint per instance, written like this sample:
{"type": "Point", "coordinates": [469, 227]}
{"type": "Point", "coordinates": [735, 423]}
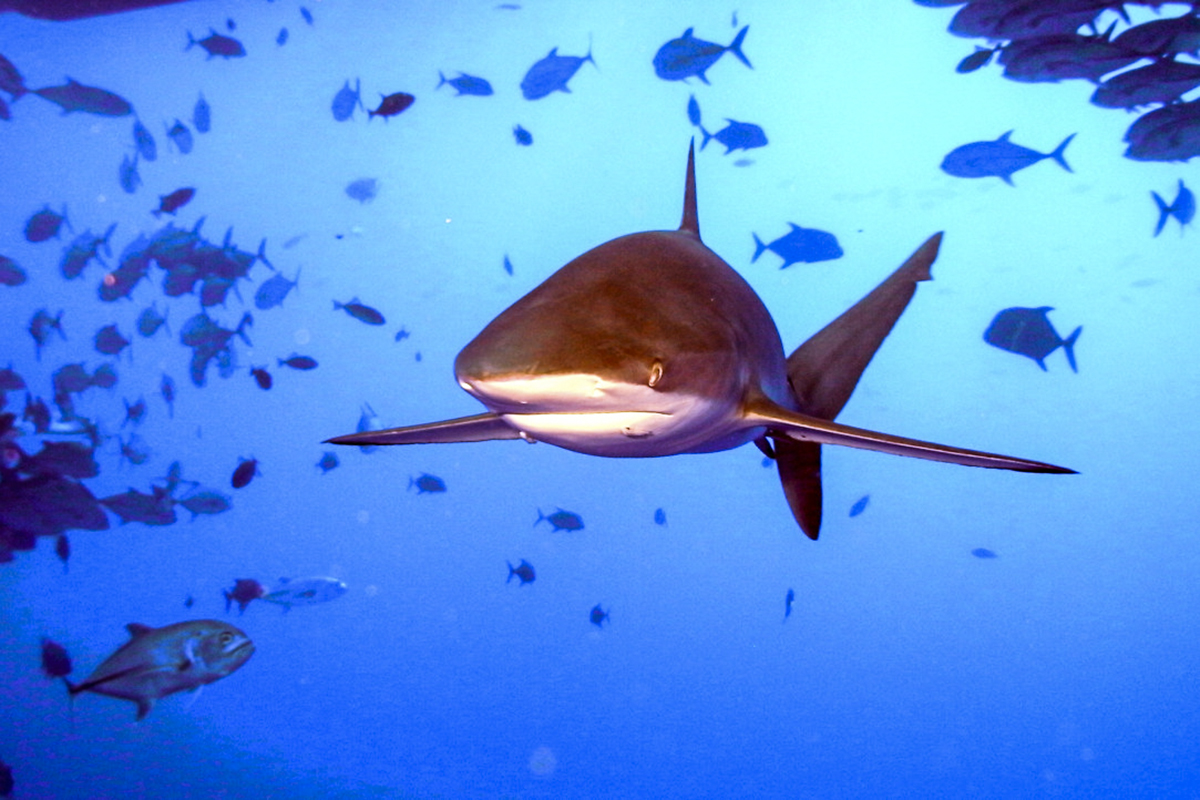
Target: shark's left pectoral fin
{"type": "Point", "coordinates": [784, 424]}
{"type": "Point", "coordinates": [479, 428]}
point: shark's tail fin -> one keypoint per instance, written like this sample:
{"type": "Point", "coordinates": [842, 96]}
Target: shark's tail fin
{"type": "Point", "coordinates": [1057, 155]}
{"type": "Point", "coordinates": [1068, 346]}
{"type": "Point", "coordinates": [736, 47]}
{"type": "Point", "coordinates": [1164, 211]}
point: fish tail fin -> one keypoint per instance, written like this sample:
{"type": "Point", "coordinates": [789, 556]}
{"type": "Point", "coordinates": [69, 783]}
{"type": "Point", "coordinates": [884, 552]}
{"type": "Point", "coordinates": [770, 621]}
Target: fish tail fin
{"type": "Point", "coordinates": [191, 41]}
{"type": "Point", "coordinates": [1057, 155]}
{"type": "Point", "coordinates": [262, 253]}
{"type": "Point", "coordinates": [759, 247]}
{"type": "Point", "coordinates": [707, 136]}
{"type": "Point", "coordinates": [1164, 211]}
{"type": "Point", "coordinates": [541, 518]}
{"type": "Point", "coordinates": [1069, 347]}
{"type": "Point", "coordinates": [736, 47]}
{"type": "Point", "coordinates": [441, 81]}
{"type": "Point", "coordinates": [511, 571]}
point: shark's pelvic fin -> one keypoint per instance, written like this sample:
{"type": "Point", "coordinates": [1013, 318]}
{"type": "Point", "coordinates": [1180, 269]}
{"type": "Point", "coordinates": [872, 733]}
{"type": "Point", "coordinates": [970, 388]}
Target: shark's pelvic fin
{"type": "Point", "coordinates": [479, 428]}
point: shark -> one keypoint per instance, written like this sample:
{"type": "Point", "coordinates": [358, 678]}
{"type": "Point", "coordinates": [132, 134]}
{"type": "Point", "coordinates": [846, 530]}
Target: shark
{"type": "Point", "coordinates": [652, 345]}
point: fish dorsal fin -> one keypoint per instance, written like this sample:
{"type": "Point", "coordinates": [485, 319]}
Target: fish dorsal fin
{"type": "Point", "coordinates": [1004, 136]}
{"type": "Point", "coordinates": [691, 221]}
{"type": "Point", "coordinates": [687, 34]}
{"type": "Point", "coordinates": [137, 629]}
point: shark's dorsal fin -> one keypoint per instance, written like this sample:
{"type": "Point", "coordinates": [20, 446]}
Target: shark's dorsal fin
{"type": "Point", "coordinates": [691, 221]}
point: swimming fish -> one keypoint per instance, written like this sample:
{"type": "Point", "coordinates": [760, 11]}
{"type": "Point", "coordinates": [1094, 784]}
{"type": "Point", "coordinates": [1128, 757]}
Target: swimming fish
{"type": "Point", "coordinates": [660, 517]}
{"type": "Point", "coordinates": [427, 484]}
{"type": "Point", "coordinates": [128, 175]}
{"type": "Point", "coordinates": [149, 321]}
{"type": "Point", "coordinates": [787, 603]}
{"type": "Point", "coordinates": [181, 136]}
{"type": "Point", "coordinates": [807, 245]}
{"type": "Point", "coordinates": [44, 224]}
{"type": "Point", "coordinates": [272, 291]}
{"type": "Point", "coordinates": [368, 421]}
{"type": "Point", "coordinates": [304, 591]}
{"type": "Point", "coordinates": [262, 377]}
{"type": "Point", "coordinates": [983, 552]}
{"type": "Point", "coordinates": [651, 345]}
{"type": "Point", "coordinates": [329, 460]}
{"type": "Point", "coordinates": [598, 616]}
{"type": "Point", "coordinates": [216, 44]}
{"type": "Point", "coordinates": [364, 190]}
{"type": "Point", "coordinates": [736, 136]}
{"type": "Point", "coordinates": [302, 363]}
{"type": "Point", "coordinates": [74, 96]}
{"type": "Point", "coordinates": [11, 273]}
{"type": "Point", "coordinates": [523, 137]}
{"type": "Point", "coordinates": [157, 662]}
{"type": "Point", "coordinates": [551, 74]}
{"type": "Point", "coordinates": [693, 111]}
{"type": "Point", "coordinates": [466, 84]}
{"type": "Point", "coordinates": [688, 56]}
{"type": "Point", "coordinates": [109, 340]}
{"type": "Point", "coordinates": [523, 571]}
{"type": "Point", "coordinates": [244, 592]}
{"type": "Point", "coordinates": [360, 312]}
{"type": "Point", "coordinates": [1182, 208]}
{"type": "Point", "coordinates": [391, 105]}
{"type": "Point", "coordinates": [170, 203]}
{"type": "Point", "coordinates": [146, 147]}
{"type": "Point", "coordinates": [56, 662]}
{"type": "Point", "coordinates": [860, 505]}
{"type": "Point", "coordinates": [999, 158]}
{"type": "Point", "coordinates": [247, 468]}
{"type": "Point", "coordinates": [282, 38]}
{"type": "Point", "coordinates": [561, 520]}
{"type": "Point", "coordinates": [1028, 332]}
{"type": "Point", "coordinates": [345, 101]}
{"type": "Point", "coordinates": [202, 115]}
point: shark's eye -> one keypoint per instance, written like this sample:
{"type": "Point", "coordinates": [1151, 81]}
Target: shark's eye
{"type": "Point", "coordinates": [656, 373]}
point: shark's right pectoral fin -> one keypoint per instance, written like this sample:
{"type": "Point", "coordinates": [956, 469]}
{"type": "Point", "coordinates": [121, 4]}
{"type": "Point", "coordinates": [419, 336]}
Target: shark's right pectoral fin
{"type": "Point", "coordinates": [479, 428]}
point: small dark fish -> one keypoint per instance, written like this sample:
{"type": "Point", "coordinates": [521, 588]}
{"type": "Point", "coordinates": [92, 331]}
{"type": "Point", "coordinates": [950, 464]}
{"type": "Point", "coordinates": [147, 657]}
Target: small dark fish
{"type": "Point", "coordinates": [37, 412]}
{"type": "Point", "coordinates": [149, 321]}
{"type": "Point", "coordinates": [262, 377]}
{"type": "Point", "coordinates": [551, 74]}
{"type": "Point", "coordinates": [523, 571]}
{"type": "Point", "coordinates": [983, 552]}
{"type": "Point", "coordinates": [523, 137]}
{"type": "Point", "coordinates": [181, 136]}
{"type": "Point", "coordinates": [299, 362]}
{"type": "Point", "coordinates": [109, 341]}
{"type": "Point", "coordinates": [736, 136]}
{"type": "Point", "coordinates": [10, 381]}
{"type": "Point", "coordinates": [247, 468]}
{"type": "Point", "coordinates": [167, 389]}
{"type": "Point", "coordinates": [62, 549]}
{"type": "Point", "coordinates": [304, 12]}
{"type": "Point", "coordinates": [807, 245]}
{"type": "Point", "coordinates": [999, 158]}
{"type": "Point", "coordinates": [1183, 208]}
{"type": "Point", "coordinates": [402, 334]}
{"type": "Point", "coordinates": [427, 484]}
{"type": "Point", "coordinates": [1028, 332]}
{"type": "Point", "coordinates": [244, 592]}
{"type": "Point", "coordinates": [230, 24]}
{"type": "Point", "coordinates": [146, 147]}
{"type": "Point", "coordinates": [282, 38]}
{"type": "Point", "coordinates": [134, 413]}
{"type": "Point", "coordinates": [360, 312]}
{"type": "Point", "coordinates": [466, 84]}
{"type": "Point", "coordinates": [860, 505]}
{"type": "Point", "coordinates": [10, 273]}
{"type": "Point", "coordinates": [206, 502]}
{"type": "Point", "coordinates": [787, 603]}
{"type": "Point", "coordinates": [364, 190]}
{"type": "Point", "coordinates": [660, 517]}
{"type": "Point", "coordinates": [128, 175]}
{"type": "Point", "coordinates": [687, 56]}
{"type": "Point", "coordinates": [56, 662]}
{"type": "Point", "coordinates": [345, 101]}
{"type": "Point", "coordinates": [1164, 81]}
{"type": "Point", "coordinates": [202, 115]}
{"type": "Point", "coordinates": [216, 44]}
{"type": "Point", "coordinates": [40, 327]}
{"type": "Point", "coordinates": [693, 111]}
{"type": "Point", "coordinates": [189, 602]}
{"type": "Point", "coordinates": [391, 105]}
{"type": "Point", "coordinates": [508, 267]}
{"type": "Point", "coordinates": [149, 509]}
{"type": "Point", "coordinates": [170, 203]}
{"type": "Point", "coordinates": [273, 290]}
{"type": "Point", "coordinates": [134, 450]}
{"type": "Point", "coordinates": [44, 225]}
{"type": "Point", "coordinates": [976, 60]}
{"type": "Point", "coordinates": [598, 616]}
{"type": "Point", "coordinates": [329, 460]}
{"type": "Point", "coordinates": [74, 96]}
{"type": "Point", "coordinates": [561, 520]}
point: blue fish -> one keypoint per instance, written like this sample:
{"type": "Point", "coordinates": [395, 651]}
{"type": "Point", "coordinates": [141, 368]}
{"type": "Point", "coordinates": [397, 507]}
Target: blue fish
{"type": "Point", "coordinates": [983, 552]}
{"type": "Point", "coordinates": [363, 190]}
{"type": "Point", "coordinates": [787, 603]}
{"type": "Point", "coordinates": [523, 137]}
{"type": "Point", "coordinates": [551, 74]}
{"type": "Point", "coordinates": [736, 136]}
{"type": "Point", "coordinates": [660, 517]}
{"type": "Point", "coordinates": [508, 267]}
{"type": "Point", "coordinates": [144, 141]}
{"type": "Point", "coordinates": [181, 136]}
{"type": "Point", "coordinates": [346, 99]}
{"type": "Point", "coordinates": [860, 505]}
{"type": "Point", "coordinates": [128, 175]}
{"type": "Point", "coordinates": [1182, 209]}
{"type": "Point", "coordinates": [1000, 158]}
{"type": "Point", "coordinates": [304, 12]}
{"type": "Point", "coordinates": [1028, 332]}
{"type": "Point", "coordinates": [202, 115]}
{"type": "Point", "coordinates": [693, 109]}
{"type": "Point", "coordinates": [466, 84]}
{"type": "Point", "coordinates": [329, 460]}
{"type": "Point", "coordinates": [688, 56]}
{"type": "Point", "coordinates": [273, 290]}
{"type": "Point", "coordinates": [281, 39]}
{"type": "Point", "coordinates": [807, 245]}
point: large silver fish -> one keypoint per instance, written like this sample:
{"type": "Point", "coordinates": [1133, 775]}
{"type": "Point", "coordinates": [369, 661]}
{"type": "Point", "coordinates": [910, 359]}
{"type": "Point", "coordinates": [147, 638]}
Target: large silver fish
{"type": "Point", "coordinates": [157, 662]}
{"type": "Point", "coordinates": [304, 591]}
{"type": "Point", "coordinates": [651, 345]}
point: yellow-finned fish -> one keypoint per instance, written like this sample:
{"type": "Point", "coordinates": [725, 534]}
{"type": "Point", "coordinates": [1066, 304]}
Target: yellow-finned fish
{"type": "Point", "coordinates": [157, 662]}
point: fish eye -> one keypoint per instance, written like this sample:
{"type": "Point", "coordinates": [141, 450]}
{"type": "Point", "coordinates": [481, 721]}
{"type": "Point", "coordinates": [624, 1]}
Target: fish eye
{"type": "Point", "coordinates": [656, 373]}
{"type": "Point", "coordinates": [226, 637]}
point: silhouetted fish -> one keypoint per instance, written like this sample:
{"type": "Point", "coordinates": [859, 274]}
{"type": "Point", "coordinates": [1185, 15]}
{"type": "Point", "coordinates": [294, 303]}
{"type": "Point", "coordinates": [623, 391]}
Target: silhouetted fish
{"type": "Point", "coordinates": [688, 56]}
{"type": "Point", "coordinates": [11, 273]}
{"type": "Point", "coordinates": [1182, 208]}
{"type": "Point", "coordinates": [128, 175]}
{"type": "Point", "coordinates": [290, 592]}
{"type": "Point", "coordinates": [273, 290]}
{"type": "Point", "coordinates": [244, 592]}
{"type": "Point", "coordinates": [146, 147]}
{"type": "Point", "coordinates": [109, 340]}
{"type": "Point", "coordinates": [363, 190]}
{"type": "Point", "coordinates": [999, 158]}
{"type": "Point", "coordinates": [206, 502]}
{"type": "Point", "coordinates": [693, 111]}
{"type": "Point", "coordinates": [56, 662]}
{"type": "Point", "coordinates": [391, 105]}
{"type": "Point", "coordinates": [860, 505]}
{"type": "Point", "coordinates": [282, 38]}
{"type": "Point", "coordinates": [43, 225]}
{"type": "Point", "coordinates": [298, 362]}
{"type": "Point", "coordinates": [523, 571]}
{"type": "Point", "coordinates": [598, 616]}
{"type": "Point", "coordinates": [170, 203]}
{"type": "Point", "coordinates": [181, 136]}
{"type": "Point", "coordinates": [216, 44]}
{"type": "Point", "coordinates": [807, 245]}
{"type": "Point", "coordinates": [74, 96]}
{"type": "Point", "coordinates": [466, 84]}
{"type": "Point", "coordinates": [202, 115]}
{"type": "Point", "coordinates": [329, 460]}
{"type": "Point", "coordinates": [1028, 332]}
{"type": "Point", "coordinates": [551, 74]}
{"type": "Point", "coordinates": [523, 137]}
{"type": "Point", "coordinates": [345, 101]}
{"type": "Point", "coordinates": [427, 484]}
{"type": "Point", "coordinates": [736, 136]}
{"type": "Point", "coordinates": [11, 80]}
{"type": "Point", "coordinates": [787, 603]}
{"type": "Point", "coordinates": [660, 517]}
{"type": "Point", "coordinates": [561, 520]}
{"type": "Point", "coordinates": [983, 552]}
{"type": "Point", "coordinates": [360, 312]}
{"type": "Point", "coordinates": [976, 60]}
{"type": "Point", "coordinates": [149, 321]}
{"type": "Point", "coordinates": [247, 468]}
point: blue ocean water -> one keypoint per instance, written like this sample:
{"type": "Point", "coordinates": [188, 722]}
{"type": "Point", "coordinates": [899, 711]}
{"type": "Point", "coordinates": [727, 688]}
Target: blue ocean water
{"type": "Point", "coordinates": [1062, 667]}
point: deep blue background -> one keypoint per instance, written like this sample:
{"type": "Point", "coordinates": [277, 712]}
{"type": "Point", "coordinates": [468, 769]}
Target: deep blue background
{"type": "Point", "coordinates": [1063, 668]}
